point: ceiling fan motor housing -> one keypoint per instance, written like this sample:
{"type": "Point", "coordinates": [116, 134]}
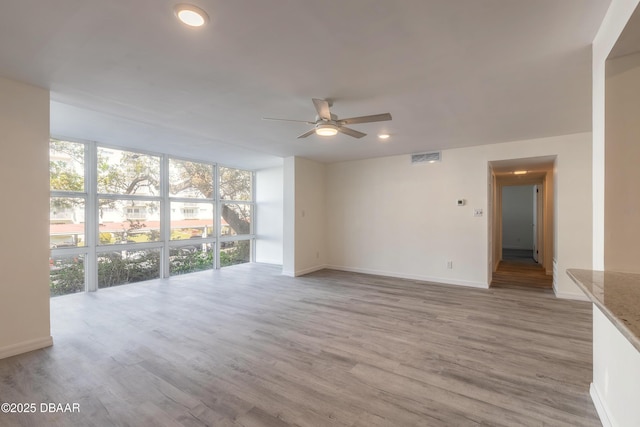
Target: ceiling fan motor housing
{"type": "Point", "coordinates": [320, 119]}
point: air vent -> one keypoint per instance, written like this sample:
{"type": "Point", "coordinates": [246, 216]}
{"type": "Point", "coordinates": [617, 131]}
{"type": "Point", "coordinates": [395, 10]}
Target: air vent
{"type": "Point", "coordinates": [431, 157]}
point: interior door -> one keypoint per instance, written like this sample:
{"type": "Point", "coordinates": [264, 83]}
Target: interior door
{"type": "Point", "coordinates": [539, 218]}
{"type": "Point", "coordinates": [535, 223]}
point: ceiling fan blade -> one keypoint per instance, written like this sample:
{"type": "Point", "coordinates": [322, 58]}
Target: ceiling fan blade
{"type": "Point", "coordinates": [351, 132]}
{"type": "Point", "coordinates": [365, 119]}
{"type": "Point", "coordinates": [306, 134]}
{"type": "Point", "coordinates": [322, 107]}
{"type": "Point", "coordinates": [289, 120]}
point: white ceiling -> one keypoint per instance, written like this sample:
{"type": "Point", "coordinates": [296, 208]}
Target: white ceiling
{"type": "Point", "coordinates": [629, 41]}
{"type": "Point", "coordinates": [452, 73]}
{"type": "Point", "coordinates": [531, 164]}
{"type": "Point", "coordinates": [537, 168]}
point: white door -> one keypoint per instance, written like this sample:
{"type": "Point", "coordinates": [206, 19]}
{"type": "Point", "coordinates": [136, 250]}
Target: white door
{"type": "Point", "coordinates": [539, 216]}
{"type": "Point", "coordinates": [535, 223]}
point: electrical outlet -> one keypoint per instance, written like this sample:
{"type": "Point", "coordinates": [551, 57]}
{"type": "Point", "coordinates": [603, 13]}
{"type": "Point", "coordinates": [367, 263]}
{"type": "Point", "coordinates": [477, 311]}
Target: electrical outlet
{"type": "Point", "coordinates": [450, 265]}
{"type": "Point", "coordinates": [477, 212]}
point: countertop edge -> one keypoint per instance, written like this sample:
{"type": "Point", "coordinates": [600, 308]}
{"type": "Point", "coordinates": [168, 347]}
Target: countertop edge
{"type": "Point", "coordinates": [628, 334]}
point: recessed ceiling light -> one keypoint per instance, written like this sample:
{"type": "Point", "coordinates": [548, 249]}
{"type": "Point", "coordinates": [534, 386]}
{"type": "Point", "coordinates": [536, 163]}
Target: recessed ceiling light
{"type": "Point", "coordinates": [191, 15]}
{"type": "Point", "coordinates": [519, 172]}
{"type": "Point", "coordinates": [326, 130]}
{"type": "Point", "coordinates": [383, 135]}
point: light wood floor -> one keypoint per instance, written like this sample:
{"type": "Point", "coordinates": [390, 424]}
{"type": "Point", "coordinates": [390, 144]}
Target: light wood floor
{"type": "Point", "coordinates": [515, 273]}
{"type": "Point", "coordinates": [246, 346]}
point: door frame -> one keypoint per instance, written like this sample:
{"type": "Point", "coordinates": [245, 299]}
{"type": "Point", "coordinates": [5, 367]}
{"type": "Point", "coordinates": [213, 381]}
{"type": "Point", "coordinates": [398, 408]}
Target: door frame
{"type": "Point", "coordinates": [541, 171]}
{"type": "Point", "coordinates": [497, 214]}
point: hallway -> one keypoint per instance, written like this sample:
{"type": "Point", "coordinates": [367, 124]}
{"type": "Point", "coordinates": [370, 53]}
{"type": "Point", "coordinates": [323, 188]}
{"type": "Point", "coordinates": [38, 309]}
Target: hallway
{"type": "Point", "coordinates": [515, 272]}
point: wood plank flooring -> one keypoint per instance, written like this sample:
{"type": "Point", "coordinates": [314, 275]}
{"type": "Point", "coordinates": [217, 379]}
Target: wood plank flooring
{"type": "Point", "coordinates": [245, 346]}
{"type": "Point", "coordinates": [514, 273]}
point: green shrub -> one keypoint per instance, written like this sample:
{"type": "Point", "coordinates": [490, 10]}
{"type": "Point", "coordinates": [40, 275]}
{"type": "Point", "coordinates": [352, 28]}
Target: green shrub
{"type": "Point", "coordinates": [188, 260]}
{"type": "Point", "coordinates": [66, 278]}
{"type": "Point", "coordinates": [136, 266]}
{"type": "Point", "coordinates": [238, 254]}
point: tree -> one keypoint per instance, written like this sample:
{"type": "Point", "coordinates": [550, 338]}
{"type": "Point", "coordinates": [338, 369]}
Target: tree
{"type": "Point", "coordinates": [125, 172]}
{"type": "Point", "coordinates": [66, 172]}
{"type": "Point", "coordinates": [119, 172]}
{"type": "Point", "coordinates": [61, 178]}
{"type": "Point", "coordinates": [235, 184]}
{"type": "Point", "coordinates": [73, 152]}
{"type": "Point", "coordinates": [190, 179]}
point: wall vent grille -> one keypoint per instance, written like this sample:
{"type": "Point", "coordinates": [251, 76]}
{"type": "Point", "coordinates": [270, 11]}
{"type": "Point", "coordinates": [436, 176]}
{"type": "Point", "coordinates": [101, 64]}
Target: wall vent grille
{"type": "Point", "coordinates": [430, 157]}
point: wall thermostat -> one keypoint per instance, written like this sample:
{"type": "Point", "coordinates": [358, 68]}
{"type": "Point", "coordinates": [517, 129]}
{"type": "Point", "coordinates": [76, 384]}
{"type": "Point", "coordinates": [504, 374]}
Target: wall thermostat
{"type": "Point", "coordinates": [460, 202]}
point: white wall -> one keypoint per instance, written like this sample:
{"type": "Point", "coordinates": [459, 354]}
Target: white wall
{"type": "Point", "coordinates": [622, 174]}
{"type": "Point", "coordinates": [573, 226]}
{"type": "Point", "coordinates": [289, 215]}
{"type": "Point", "coordinates": [386, 216]}
{"type": "Point", "coordinates": [616, 374]}
{"type": "Point", "coordinates": [614, 22]}
{"type": "Point", "coordinates": [310, 213]}
{"type": "Point", "coordinates": [269, 215]}
{"type": "Point", "coordinates": [549, 228]}
{"type": "Point", "coordinates": [616, 364]}
{"type": "Point", "coordinates": [305, 216]}
{"type": "Point", "coordinates": [495, 228]}
{"type": "Point", "coordinates": [517, 217]}
{"type": "Point", "coordinates": [24, 172]}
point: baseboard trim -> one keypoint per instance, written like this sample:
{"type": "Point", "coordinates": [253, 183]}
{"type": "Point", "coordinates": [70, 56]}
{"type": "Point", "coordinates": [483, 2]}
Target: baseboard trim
{"type": "Point", "coordinates": [565, 295]}
{"type": "Point", "coordinates": [270, 262]}
{"type": "Point", "coordinates": [25, 346]}
{"type": "Point", "coordinates": [600, 407]}
{"type": "Point", "coordinates": [309, 270]}
{"type": "Point", "coordinates": [438, 280]}
{"type": "Point", "coordinates": [288, 273]}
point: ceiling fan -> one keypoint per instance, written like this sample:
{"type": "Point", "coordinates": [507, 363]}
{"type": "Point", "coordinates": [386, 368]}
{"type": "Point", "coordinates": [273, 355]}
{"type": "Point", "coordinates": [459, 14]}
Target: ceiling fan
{"type": "Point", "coordinates": [328, 124]}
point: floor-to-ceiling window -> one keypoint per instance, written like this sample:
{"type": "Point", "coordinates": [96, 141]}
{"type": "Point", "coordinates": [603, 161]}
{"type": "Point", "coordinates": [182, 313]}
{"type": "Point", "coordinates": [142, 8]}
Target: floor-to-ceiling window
{"type": "Point", "coordinates": [119, 216]}
{"type": "Point", "coordinates": [236, 213]}
{"type": "Point", "coordinates": [129, 199]}
{"type": "Point", "coordinates": [192, 215]}
{"type": "Point", "coordinates": [67, 217]}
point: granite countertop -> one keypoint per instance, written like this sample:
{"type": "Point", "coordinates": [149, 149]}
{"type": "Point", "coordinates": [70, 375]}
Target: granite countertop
{"type": "Point", "coordinates": [618, 297]}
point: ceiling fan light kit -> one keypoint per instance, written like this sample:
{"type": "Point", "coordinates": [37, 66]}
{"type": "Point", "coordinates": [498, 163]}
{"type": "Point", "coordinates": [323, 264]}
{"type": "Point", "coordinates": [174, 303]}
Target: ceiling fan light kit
{"type": "Point", "coordinates": [328, 124]}
{"type": "Point", "coordinates": [326, 130]}
{"type": "Point", "coordinates": [191, 15]}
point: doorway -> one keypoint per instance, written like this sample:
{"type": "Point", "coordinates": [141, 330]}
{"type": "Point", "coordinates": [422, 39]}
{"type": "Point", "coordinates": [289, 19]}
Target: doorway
{"type": "Point", "coordinates": [519, 237]}
{"type": "Point", "coordinates": [521, 230]}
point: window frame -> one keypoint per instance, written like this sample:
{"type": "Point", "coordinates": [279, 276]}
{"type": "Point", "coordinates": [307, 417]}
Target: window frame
{"type": "Point", "coordinates": [252, 233]}
{"type": "Point", "coordinates": [83, 251]}
{"type": "Point", "coordinates": [92, 249]}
